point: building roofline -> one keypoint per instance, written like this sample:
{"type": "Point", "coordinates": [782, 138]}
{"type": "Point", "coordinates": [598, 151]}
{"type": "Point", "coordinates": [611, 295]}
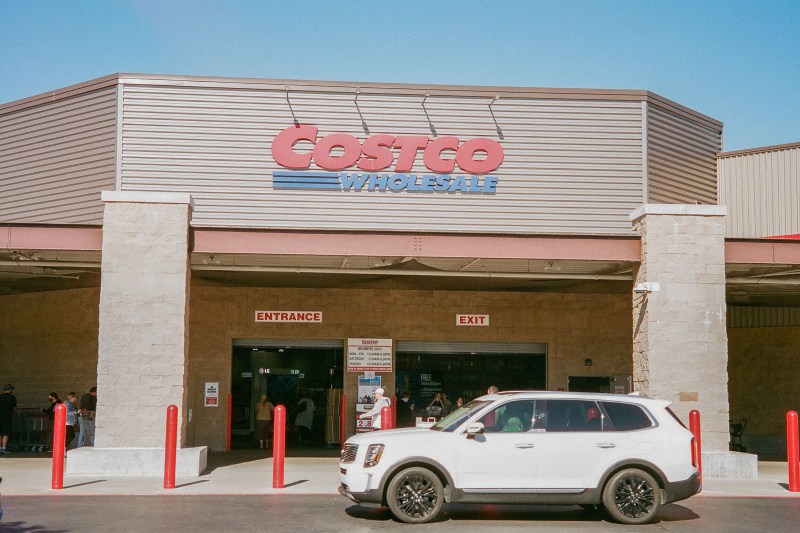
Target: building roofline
{"type": "Point", "coordinates": [760, 150]}
{"type": "Point", "coordinates": [352, 86]}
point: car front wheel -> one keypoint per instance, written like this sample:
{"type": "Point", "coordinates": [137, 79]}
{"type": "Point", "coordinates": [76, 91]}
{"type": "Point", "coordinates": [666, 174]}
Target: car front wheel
{"type": "Point", "coordinates": [415, 495]}
{"type": "Point", "coordinates": [632, 496]}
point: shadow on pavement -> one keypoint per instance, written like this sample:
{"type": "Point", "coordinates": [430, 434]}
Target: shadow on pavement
{"type": "Point", "coordinates": [235, 457]}
{"type": "Point", "coordinates": [85, 483]}
{"type": "Point", "coordinates": [24, 527]}
{"type": "Point", "coordinates": [532, 513]}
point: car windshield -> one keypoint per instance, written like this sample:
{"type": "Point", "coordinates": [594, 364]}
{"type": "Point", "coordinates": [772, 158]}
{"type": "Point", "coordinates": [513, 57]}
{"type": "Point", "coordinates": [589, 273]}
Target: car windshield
{"type": "Point", "coordinates": [457, 417]}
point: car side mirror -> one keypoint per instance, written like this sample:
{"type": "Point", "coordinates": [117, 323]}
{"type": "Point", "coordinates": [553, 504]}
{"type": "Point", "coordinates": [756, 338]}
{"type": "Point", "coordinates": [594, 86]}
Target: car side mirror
{"type": "Point", "coordinates": [476, 428]}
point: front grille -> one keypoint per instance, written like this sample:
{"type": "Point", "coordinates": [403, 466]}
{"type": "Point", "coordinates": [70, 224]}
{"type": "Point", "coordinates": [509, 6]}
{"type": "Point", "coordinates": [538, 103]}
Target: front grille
{"type": "Point", "coordinates": [349, 453]}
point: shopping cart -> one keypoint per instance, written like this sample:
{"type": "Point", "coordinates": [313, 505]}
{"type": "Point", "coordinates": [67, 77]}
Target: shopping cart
{"type": "Point", "coordinates": [737, 428]}
{"type": "Point", "coordinates": [33, 430]}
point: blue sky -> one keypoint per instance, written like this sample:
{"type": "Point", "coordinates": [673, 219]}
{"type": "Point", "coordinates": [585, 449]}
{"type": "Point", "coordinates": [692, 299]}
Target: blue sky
{"type": "Point", "coordinates": [738, 62]}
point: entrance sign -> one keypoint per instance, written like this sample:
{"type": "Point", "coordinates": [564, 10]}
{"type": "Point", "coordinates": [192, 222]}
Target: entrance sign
{"type": "Point", "coordinates": [212, 394]}
{"type": "Point", "coordinates": [366, 355]}
{"type": "Point", "coordinates": [472, 320]}
{"type": "Point", "coordinates": [288, 316]}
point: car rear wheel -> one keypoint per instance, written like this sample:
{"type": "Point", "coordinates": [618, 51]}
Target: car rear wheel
{"type": "Point", "coordinates": [415, 495]}
{"type": "Point", "coordinates": [632, 496]}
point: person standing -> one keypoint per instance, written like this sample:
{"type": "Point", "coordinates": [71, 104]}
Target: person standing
{"type": "Point", "coordinates": [88, 406]}
{"type": "Point", "coordinates": [405, 411]}
{"type": "Point", "coordinates": [381, 401]}
{"type": "Point", "coordinates": [304, 419]}
{"type": "Point", "coordinates": [264, 410]}
{"type": "Point", "coordinates": [8, 403]}
{"type": "Point", "coordinates": [50, 411]}
{"type": "Point", "coordinates": [72, 418]}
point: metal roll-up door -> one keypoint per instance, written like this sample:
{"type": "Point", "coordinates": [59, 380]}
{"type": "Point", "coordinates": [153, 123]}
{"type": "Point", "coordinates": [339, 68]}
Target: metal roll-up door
{"type": "Point", "coordinates": [289, 343]}
{"type": "Point", "coordinates": [444, 347]}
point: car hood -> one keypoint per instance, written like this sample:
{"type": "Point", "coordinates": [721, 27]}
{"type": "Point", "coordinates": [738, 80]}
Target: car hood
{"type": "Point", "coordinates": [388, 435]}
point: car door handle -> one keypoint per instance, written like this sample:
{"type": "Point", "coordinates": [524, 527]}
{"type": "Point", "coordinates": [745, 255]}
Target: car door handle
{"type": "Point", "coordinates": [524, 445]}
{"type": "Point", "coordinates": [606, 444]}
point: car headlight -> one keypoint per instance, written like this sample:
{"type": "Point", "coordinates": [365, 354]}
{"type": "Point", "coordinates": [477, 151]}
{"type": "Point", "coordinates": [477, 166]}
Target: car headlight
{"type": "Point", "coordinates": [374, 453]}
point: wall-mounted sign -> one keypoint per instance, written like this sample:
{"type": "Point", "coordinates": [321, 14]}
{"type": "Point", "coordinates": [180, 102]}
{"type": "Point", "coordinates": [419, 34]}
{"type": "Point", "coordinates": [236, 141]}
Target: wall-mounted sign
{"type": "Point", "coordinates": [365, 355]}
{"type": "Point", "coordinates": [212, 394]}
{"type": "Point", "coordinates": [474, 157]}
{"type": "Point", "coordinates": [472, 320]}
{"type": "Point", "coordinates": [288, 316]}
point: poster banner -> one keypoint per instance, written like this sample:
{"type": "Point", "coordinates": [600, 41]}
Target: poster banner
{"type": "Point", "coordinates": [365, 401]}
{"type": "Point", "coordinates": [212, 394]}
{"type": "Point", "coordinates": [369, 355]}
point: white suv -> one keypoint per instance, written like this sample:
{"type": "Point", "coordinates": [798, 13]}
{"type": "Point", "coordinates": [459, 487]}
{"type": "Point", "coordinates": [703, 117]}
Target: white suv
{"type": "Point", "coordinates": [628, 454]}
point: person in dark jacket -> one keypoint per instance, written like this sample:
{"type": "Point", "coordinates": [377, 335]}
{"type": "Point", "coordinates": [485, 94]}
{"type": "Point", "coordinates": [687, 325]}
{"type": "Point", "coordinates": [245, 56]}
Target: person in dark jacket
{"type": "Point", "coordinates": [8, 403]}
{"type": "Point", "coordinates": [51, 409]}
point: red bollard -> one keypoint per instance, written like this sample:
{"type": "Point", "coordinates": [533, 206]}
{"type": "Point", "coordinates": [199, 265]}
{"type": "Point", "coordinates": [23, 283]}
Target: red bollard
{"type": "Point", "coordinates": [386, 417]}
{"type": "Point", "coordinates": [278, 447]}
{"type": "Point", "coordinates": [230, 416]}
{"type": "Point", "coordinates": [341, 421]}
{"type": "Point", "coordinates": [171, 447]}
{"type": "Point", "coordinates": [394, 411]}
{"type": "Point", "coordinates": [59, 436]}
{"type": "Point", "coordinates": [793, 451]}
{"type": "Point", "coordinates": [697, 450]}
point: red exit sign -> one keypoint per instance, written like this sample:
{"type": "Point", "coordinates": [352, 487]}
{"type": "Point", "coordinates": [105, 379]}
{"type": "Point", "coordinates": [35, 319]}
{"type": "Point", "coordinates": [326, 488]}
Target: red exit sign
{"type": "Point", "coordinates": [472, 320]}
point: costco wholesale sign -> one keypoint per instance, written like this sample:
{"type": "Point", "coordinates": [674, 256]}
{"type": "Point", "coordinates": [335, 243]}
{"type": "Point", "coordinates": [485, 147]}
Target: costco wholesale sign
{"type": "Point", "coordinates": [395, 155]}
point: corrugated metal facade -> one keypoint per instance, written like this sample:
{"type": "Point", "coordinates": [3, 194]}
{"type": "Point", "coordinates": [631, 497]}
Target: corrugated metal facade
{"type": "Point", "coordinates": [681, 158]}
{"type": "Point", "coordinates": [576, 161]}
{"type": "Point", "coordinates": [762, 317]}
{"type": "Point", "coordinates": [56, 157]}
{"type": "Point", "coordinates": [571, 166]}
{"type": "Point", "coordinates": [762, 191]}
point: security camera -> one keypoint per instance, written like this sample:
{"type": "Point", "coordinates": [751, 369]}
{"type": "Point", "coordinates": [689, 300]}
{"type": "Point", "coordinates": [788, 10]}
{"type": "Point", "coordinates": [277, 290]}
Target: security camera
{"type": "Point", "coordinates": [646, 287]}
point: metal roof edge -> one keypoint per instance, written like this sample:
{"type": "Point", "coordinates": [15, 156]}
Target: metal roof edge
{"type": "Point", "coordinates": [760, 150]}
{"type": "Point", "coordinates": [487, 91]}
{"type": "Point", "coordinates": [59, 94]}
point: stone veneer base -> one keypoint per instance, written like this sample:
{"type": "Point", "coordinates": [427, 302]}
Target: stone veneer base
{"type": "Point", "coordinates": [190, 462]}
{"type": "Point", "coordinates": [730, 465]}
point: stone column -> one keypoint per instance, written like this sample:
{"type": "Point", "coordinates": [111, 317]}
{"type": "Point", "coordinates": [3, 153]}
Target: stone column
{"type": "Point", "coordinates": [143, 339]}
{"type": "Point", "coordinates": [680, 343]}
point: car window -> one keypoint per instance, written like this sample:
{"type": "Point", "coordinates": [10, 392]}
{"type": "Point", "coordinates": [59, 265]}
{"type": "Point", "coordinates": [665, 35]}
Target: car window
{"type": "Point", "coordinates": [457, 417]}
{"type": "Point", "coordinates": [511, 417]}
{"type": "Point", "coordinates": [568, 415]}
{"type": "Point", "coordinates": [627, 416]}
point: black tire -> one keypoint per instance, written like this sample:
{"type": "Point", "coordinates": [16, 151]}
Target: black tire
{"type": "Point", "coordinates": [632, 496]}
{"type": "Point", "coordinates": [415, 495]}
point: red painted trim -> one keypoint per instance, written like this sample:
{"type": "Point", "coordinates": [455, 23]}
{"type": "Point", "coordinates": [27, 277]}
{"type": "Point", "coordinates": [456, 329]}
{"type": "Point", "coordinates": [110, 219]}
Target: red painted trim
{"type": "Point", "coordinates": [768, 252]}
{"type": "Point", "coordinates": [416, 245]}
{"type": "Point", "coordinates": [51, 238]}
{"type": "Point", "coordinates": [795, 236]}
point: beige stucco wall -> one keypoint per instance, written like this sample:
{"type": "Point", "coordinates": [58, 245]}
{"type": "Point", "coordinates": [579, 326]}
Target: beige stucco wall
{"type": "Point", "coordinates": [574, 326]}
{"type": "Point", "coordinates": [764, 384]}
{"type": "Point", "coordinates": [48, 342]}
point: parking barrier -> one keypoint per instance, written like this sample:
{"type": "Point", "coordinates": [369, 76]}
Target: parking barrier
{"type": "Point", "coordinates": [697, 449]}
{"type": "Point", "coordinates": [230, 416]}
{"type": "Point", "coordinates": [341, 421]}
{"type": "Point", "coordinates": [278, 447]}
{"type": "Point", "coordinates": [171, 447]}
{"type": "Point", "coordinates": [386, 417]}
{"type": "Point", "coordinates": [793, 451]}
{"type": "Point", "coordinates": [59, 436]}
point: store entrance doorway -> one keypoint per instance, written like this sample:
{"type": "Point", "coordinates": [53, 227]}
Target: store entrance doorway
{"type": "Point", "coordinates": [306, 380]}
{"type": "Point", "coordinates": [463, 370]}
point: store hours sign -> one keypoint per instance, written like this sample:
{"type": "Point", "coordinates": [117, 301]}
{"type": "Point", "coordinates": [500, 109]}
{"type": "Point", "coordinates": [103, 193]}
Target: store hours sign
{"type": "Point", "coordinates": [369, 355]}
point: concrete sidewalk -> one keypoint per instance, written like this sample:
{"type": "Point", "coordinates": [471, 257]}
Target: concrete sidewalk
{"type": "Point", "coordinates": [251, 473]}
